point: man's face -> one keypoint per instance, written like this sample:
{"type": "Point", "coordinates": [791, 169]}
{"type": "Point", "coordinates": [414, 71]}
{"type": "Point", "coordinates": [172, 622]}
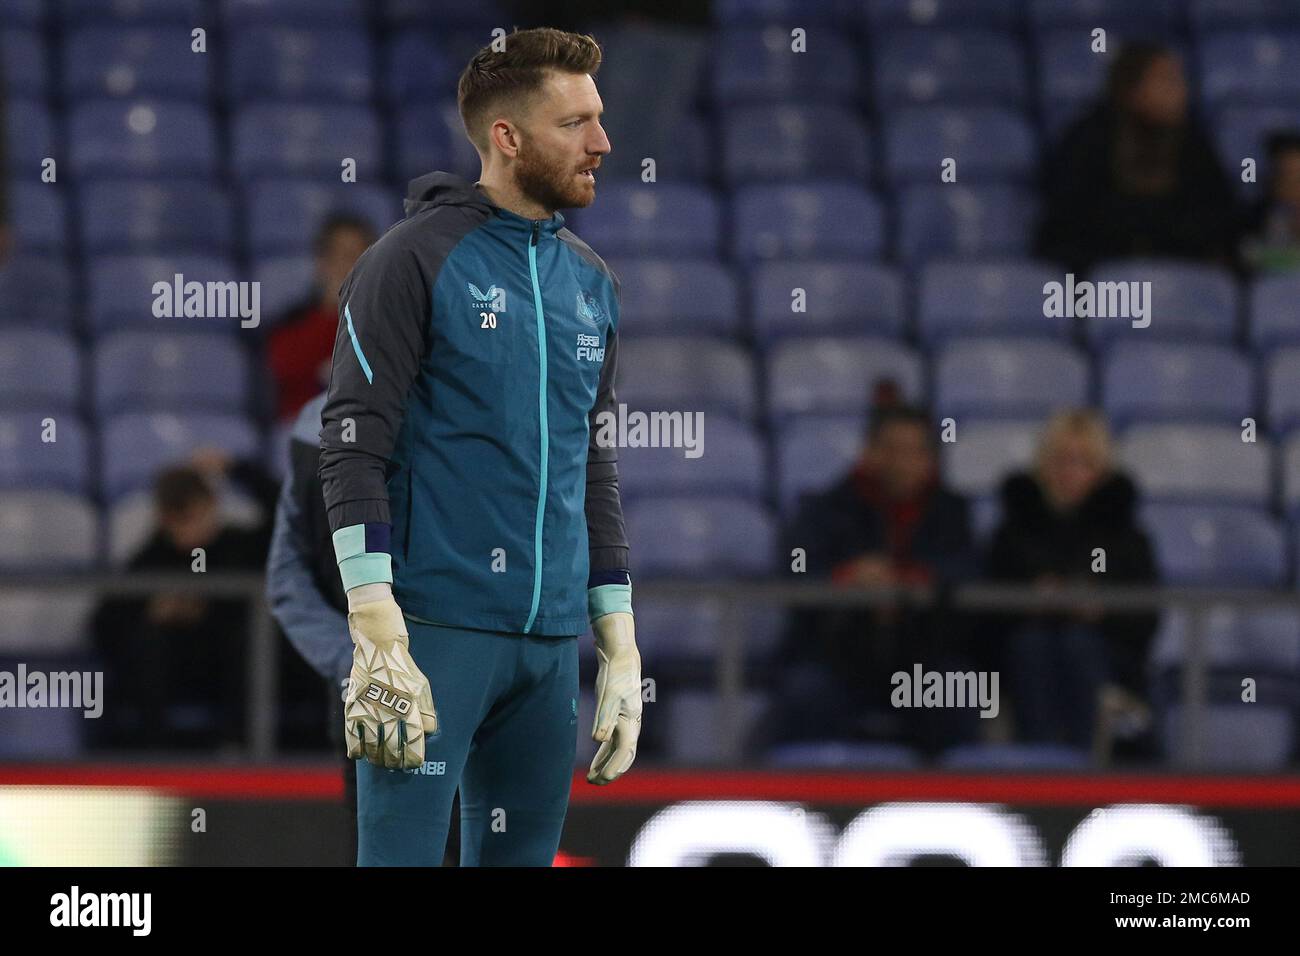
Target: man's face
{"type": "Point", "coordinates": [1071, 471]}
{"type": "Point", "coordinates": [1286, 177]}
{"type": "Point", "coordinates": [560, 141]}
{"type": "Point", "coordinates": [1161, 95]}
{"type": "Point", "coordinates": [193, 526]}
{"type": "Point", "coordinates": [342, 249]}
{"type": "Point", "coordinates": [904, 459]}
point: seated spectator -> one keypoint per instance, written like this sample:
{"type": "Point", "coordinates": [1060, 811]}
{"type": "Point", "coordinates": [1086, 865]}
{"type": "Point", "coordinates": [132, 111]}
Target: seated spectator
{"type": "Point", "coordinates": [299, 347]}
{"type": "Point", "coordinates": [1053, 518]}
{"type": "Point", "coordinates": [175, 662]}
{"type": "Point", "coordinates": [1137, 176]}
{"type": "Point", "coordinates": [1273, 243]}
{"type": "Point", "coordinates": [889, 521]}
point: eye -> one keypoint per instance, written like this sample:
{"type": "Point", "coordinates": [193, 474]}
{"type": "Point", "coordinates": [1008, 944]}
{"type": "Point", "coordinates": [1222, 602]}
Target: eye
{"type": "Point", "coordinates": [576, 122]}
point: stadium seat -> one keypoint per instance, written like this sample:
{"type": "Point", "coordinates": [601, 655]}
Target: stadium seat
{"type": "Point", "coordinates": [1209, 15]}
{"type": "Point", "coordinates": [813, 452]}
{"type": "Point", "coordinates": [43, 621]}
{"type": "Point", "coordinates": [1015, 757]}
{"type": "Point", "coordinates": [116, 138]}
{"type": "Point", "coordinates": [688, 711]}
{"type": "Point", "coordinates": [39, 369]}
{"type": "Point", "coordinates": [687, 374]}
{"type": "Point", "coordinates": [180, 372]}
{"type": "Point", "coordinates": [677, 297]}
{"type": "Point", "coordinates": [1199, 463]}
{"type": "Point", "coordinates": [1007, 377]}
{"type": "Point", "coordinates": [949, 67]}
{"type": "Point", "coordinates": [30, 137]}
{"type": "Point", "coordinates": [285, 282]}
{"type": "Point", "coordinates": [985, 298]}
{"type": "Point", "coordinates": [24, 62]}
{"type": "Point", "coordinates": [785, 143]}
{"type": "Point", "coordinates": [26, 13]}
{"type": "Point", "coordinates": [29, 462]}
{"type": "Point", "coordinates": [271, 140]}
{"type": "Point", "coordinates": [839, 298]}
{"type": "Point", "coordinates": [1153, 17]}
{"type": "Point", "coordinates": [429, 137]}
{"type": "Point", "coordinates": [1282, 386]}
{"type": "Point", "coordinates": [836, 375]}
{"type": "Point", "coordinates": [442, 14]}
{"type": "Point", "coordinates": [121, 289]}
{"type": "Point", "coordinates": [1220, 545]}
{"type": "Point", "coordinates": [1241, 132]}
{"type": "Point", "coordinates": [672, 220]}
{"type": "Point", "coordinates": [689, 536]}
{"type": "Point", "coordinates": [1248, 638]}
{"type": "Point", "coordinates": [418, 71]}
{"type": "Point", "coordinates": [38, 215]}
{"type": "Point", "coordinates": [36, 291]}
{"type": "Point", "coordinates": [684, 631]}
{"type": "Point", "coordinates": [842, 755]}
{"type": "Point", "coordinates": [1275, 311]}
{"type": "Point", "coordinates": [135, 446]}
{"type": "Point", "coordinates": [47, 530]}
{"type": "Point", "coordinates": [757, 64]}
{"type": "Point", "coordinates": [122, 216]}
{"type": "Point", "coordinates": [968, 222]}
{"type": "Point", "coordinates": [1250, 66]}
{"type": "Point", "coordinates": [284, 215]}
{"type": "Point", "coordinates": [1186, 303]}
{"type": "Point", "coordinates": [1291, 477]}
{"type": "Point", "coordinates": [944, 14]}
{"type": "Point", "coordinates": [255, 14]}
{"type": "Point", "coordinates": [1255, 737]}
{"type": "Point", "coordinates": [1164, 381]}
{"type": "Point", "coordinates": [112, 61]}
{"type": "Point", "coordinates": [135, 12]}
{"type": "Point", "coordinates": [821, 220]}
{"type": "Point", "coordinates": [985, 452]}
{"type": "Point", "coordinates": [987, 143]}
{"type": "Point", "coordinates": [325, 65]}
{"type": "Point", "coordinates": [730, 459]}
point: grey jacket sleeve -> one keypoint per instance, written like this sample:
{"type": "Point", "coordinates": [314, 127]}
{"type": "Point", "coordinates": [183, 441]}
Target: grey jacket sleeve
{"type": "Point", "coordinates": [384, 317]}
{"type": "Point", "coordinates": [606, 534]}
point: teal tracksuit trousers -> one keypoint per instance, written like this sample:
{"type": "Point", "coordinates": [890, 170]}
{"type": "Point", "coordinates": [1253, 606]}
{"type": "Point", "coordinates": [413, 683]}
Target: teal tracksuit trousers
{"type": "Point", "coordinates": [508, 722]}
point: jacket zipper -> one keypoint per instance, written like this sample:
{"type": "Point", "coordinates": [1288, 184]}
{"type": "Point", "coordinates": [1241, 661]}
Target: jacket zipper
{"type": "Point", "coordinates": [542, 424]}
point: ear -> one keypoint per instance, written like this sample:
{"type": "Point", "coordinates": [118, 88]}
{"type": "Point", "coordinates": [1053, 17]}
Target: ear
{"type": "Point", "coordinates": [504, 136]}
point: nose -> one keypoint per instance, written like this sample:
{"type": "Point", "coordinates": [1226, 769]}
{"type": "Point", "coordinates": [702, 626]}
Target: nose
{"type": "Point", "coordinates": [601, 146]}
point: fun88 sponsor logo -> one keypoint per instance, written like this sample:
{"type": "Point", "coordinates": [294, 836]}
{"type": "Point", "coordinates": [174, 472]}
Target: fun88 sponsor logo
{"type": "Point", "coordinates": [590, 349]}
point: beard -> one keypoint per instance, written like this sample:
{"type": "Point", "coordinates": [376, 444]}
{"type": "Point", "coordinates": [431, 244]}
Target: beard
{"type": "Point", "coordinates": [552, 183]}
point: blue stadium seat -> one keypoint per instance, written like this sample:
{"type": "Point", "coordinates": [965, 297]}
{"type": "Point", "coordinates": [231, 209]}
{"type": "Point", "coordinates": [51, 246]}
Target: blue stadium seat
{"type": "Point", "coordinates": [758, 65]}
{"type": "Point", "coordinates": [651, 219]}
{"type": "Point", "coordinates": [833, 220]}
{"type": "Point", "coordinates": [116, 138]}
{"type": "Point", "coordinates": [1209, 15]}
{"type": "Point", "coordinates": [26, 13]}
{"type": "Point", "coordinates": [331, 66]}
{"type": "Point", "coordinates": [690, 710]}
{"type": "Point", "coordinates": [685, 373]}
{"type": "Point", "coordinates": [443, 14]}
{"type": "Point", "coordinates": [1164, 381]}
{"type": "Point", "coordinates": [677, 296]}
{"type": "Point", "coordinates": [1267, 638]}
{"type": "Point", "coordinates": [159, 217]}
{"type": "Point", "coordinates": [1282, 384]}
{"type": "Point", "coordinates": [739, 13]}
{"type": "Point", "coordinates": [111, 61]}
{"type": "Point", "coordinates": [839, 298]}
{"type": "Point", "coordinates": [949, 67]}
{"type": "Point", "coordinates": [1015, 757]}
{"type": "Point", "coordinates": [283, 215]}
{"type": "Point", "coordinates": [120, 289]}
{"type": "Point", "coordinates": [24, 62]}
{"type": "Point", "coordinates": [815, 451]}
{"type": "Point", "coordinates": [985, 298]}
{"type": "Point", "coordinates": [29, 136]}
{"type": "Point", "coordinates": [1275, 311]}
{"type": "Point", "coordinates": [285, 281]}
{"type": "Point", "coordinates": [955, 221]}
{"type": "Point", "coordinates": [1218, 545]}
{"type": "Point", "coordinates": [1200, 463]}
{"type": "Point", "coordinates": [986, 14]}
{"type": "Point", "coordinates": [730, 460]}
{"type": "Point", "coordinates": [836, 375]}
{"type": "Point", "coordinates": [1187, 302]}
{"type": "Point", "coordinates": [254, 14]}
{"type": "Point", "coordinates": [1007, 377]}
{"type": "Point", "coordinates": [1240, 132]}
{"type": "Point", "coordinates": [986, 451]}
{"type": "Point", "coordinates": [1250, 66]}
{"type": "Point", "coordinates": [27, 461]}
{"type": "Point", "coordinates": [787, 142]}
{"type": "Point", "coordinates": [418, 70]}
{"type": "Point", "coordinates": [987, 143]}
{"type": "Point", "coordinates": [692, 629]}
{"type": "Point", "coordinates": [1244, 737]}
{"type": "Point", "coordinates": [843, 755]}
{"type": "Point", "coordinates": [38, 215]}
{"type": "Point", "coordinates": [689, 536]}
{"type": "Point", "coordinates": [1154, 17]}
{"type": "Point", "coordinates": [189, 13]}
{"type": "Point", "coordinates": [429, 137]}
{"type": "Point", "coordinates": [181, 372]}
{"type": "Point", "coordinates": [276, 140]}
{"type": "Point", "coordinates": [47, 530]}
{"type": "Point", "coordinates": [41, 369]}
{"type": "Point", "coordinates": [36, 291]}
{"type": "Point", "coordinates": [1290, 461]}
{"type": "Point", "coordinates": [135, 446]}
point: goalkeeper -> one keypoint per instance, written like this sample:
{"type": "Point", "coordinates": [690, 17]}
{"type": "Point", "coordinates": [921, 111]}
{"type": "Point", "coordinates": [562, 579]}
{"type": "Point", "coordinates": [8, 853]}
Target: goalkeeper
{"type": "Point", "coordinates": [476, 521]}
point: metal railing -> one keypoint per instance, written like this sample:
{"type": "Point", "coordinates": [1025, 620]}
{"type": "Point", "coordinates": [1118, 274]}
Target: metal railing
{"type": "Point", "coordinates": [736, 598]}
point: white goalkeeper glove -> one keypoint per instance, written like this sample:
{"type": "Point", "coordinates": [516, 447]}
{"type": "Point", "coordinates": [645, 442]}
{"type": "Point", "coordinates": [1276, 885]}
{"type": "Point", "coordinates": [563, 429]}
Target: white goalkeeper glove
{"type": "Point", "coordinates": [388, 707]}
{"type": "Point", "coordinates": [618, 697]}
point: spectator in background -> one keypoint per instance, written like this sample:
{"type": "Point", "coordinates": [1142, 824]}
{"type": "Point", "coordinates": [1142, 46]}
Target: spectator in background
{"type": "Point", "coordinates": [1273, 243]}
{"type": "Point", "coordinates": [300, 345]}
{"type": "Point", "coordinates": [1053, 518]}
{"type": "Point", "coordinates": [888, 522]}
{"type": "Point", "coordinates": [1137, 176]}
{"type": "Point", "coordinates": [175, 661]}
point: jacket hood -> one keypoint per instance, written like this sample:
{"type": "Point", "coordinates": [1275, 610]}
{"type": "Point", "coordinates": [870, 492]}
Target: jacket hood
{"type": "Point", "coordinates": [1112, 502]}
{"type": "Point", "coordinates": [448, 189]}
